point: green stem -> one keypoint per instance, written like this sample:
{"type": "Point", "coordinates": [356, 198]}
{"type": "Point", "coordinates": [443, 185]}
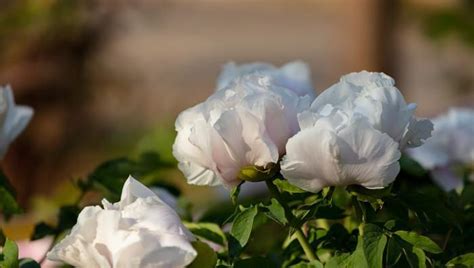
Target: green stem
{"type": "Point", "coordinates": [305, 245]}
{"type": "Point", "coordinates": [298, 233]}
{"type": "Point", "coordinates": [448, 236]}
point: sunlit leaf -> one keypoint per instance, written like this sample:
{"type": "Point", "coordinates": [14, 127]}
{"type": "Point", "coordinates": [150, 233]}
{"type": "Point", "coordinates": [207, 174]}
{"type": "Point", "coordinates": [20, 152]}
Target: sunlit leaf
{"type": "Point", "coordinates": [419, 241]}
{"type": "Point", "coordinates": [208, 231]}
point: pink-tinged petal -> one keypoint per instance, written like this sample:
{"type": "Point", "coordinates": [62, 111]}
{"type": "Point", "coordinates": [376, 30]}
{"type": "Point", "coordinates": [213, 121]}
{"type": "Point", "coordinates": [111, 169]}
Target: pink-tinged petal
{"type": "Point", "coordinates": [246, 123]}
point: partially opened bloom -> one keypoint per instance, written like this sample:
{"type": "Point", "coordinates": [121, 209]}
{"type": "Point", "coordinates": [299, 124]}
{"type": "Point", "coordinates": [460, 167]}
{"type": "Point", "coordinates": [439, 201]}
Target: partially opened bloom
{"type": "Point", "coordinates": [295, 75]}
{"type": "Point", "coordinates": [247, 123]}
{"type": "Point", "coordinates": [13, 118]}
{"type": "Point", "coordinates": [138, 231]}
{"type": "Point", "coordinates": [451, 146]}
{"type": "Point", "coordinates": [353, 134]}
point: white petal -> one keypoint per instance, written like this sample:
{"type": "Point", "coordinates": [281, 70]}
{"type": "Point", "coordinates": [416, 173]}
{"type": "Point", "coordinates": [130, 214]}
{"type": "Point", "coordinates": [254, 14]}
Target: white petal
{"type": "Point", "coordinates": [167, 197]}
{"type": "Point", "coordinates": [367, 156]}
{"type": "Point", "coordinates": [13, 118]}
{"type": "Point", "coordinates": [132, 190]}
{"type": "Point", "coordinates": [418, 131]}
{"type": "Point", "coordinates": [231, 71]}
{"type": "Point", "coordinates": [338, 95]}
{"type": "Point", "coordinates": [364, 78]}
{"type": "Point", "coordinates": [357, 154]}
{"type": "Point", "coordinates": [262, 149]}
{"type": "Point", "coordinates": [446, 178]}
{"type": "Point", "coordinates": [451, 142]}
{"type": "Point", "coordinates": [296, 76]}
{"type": "Point", "coordinates": [311, 159]}
{"type": "Point", "coordinates": [77, 248]}
{"type": "Point", "coordinates": [199, 175]}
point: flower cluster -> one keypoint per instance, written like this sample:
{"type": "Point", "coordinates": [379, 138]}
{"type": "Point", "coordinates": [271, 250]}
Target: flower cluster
{"type": "Point", "coordinates": [352, 133]}
{"type": "Point", "coordinates": [265, 123]}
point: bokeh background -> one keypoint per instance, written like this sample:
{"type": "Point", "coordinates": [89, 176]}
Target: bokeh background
{"type": "Point", "coordinates": [108, 78]}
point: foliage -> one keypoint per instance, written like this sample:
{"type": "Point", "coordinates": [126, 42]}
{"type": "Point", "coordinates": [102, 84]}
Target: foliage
{"type": "Point", "coordinates": [8, 204]}
{"type": "Point", "coordinates": [399, 226]}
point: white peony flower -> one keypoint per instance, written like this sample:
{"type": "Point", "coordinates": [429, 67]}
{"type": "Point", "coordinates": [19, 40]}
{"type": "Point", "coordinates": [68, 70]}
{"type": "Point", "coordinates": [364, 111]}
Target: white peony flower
{"type": "Point", "coordinates": [13, 118]}
{"type": "Point", "coordinates": [138, 231]}
{"type": "Point", "coordinates": [245, 124]}
{"type": "Point", "coordinates": [451, 145]}
{"type": "Point", "coordinates": [374, 96]}
{"type": "Point", "coordinates": [353, 134]}
{"type": "Point", "coordinates": [294, 75]}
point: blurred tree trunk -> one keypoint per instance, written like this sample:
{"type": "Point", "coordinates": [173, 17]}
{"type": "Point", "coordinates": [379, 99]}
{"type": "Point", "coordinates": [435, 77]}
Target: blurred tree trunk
{"type": "Point", "coordinates": [387, 16]}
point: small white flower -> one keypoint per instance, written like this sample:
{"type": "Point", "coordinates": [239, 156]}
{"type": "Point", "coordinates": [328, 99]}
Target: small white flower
{"type": "Point", "coordinates": [138, 231]}
{"type": "Point", "coordinates": [295, 75]}
{"type": "Point", "coordinates": [244, 124]}
{"type": "Point", "coordinates": [451, 145]}
{"type": "Point", "coordinates": [13, 118]}
{"type": "Point", "coordinates": [353, 134]}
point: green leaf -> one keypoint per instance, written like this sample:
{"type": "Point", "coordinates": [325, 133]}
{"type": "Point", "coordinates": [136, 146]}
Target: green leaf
{"type": "Point", "coordinates": [241, 230]}
{"type": "Point", "coordinates": [468, 194]}
{"type": "Point", "coordinates": [338, 238]}
{"type": "Point", "coordinates": [331, 212]}
{"type": "Point", "coordinates": [276, 212]}
{"type": "Point", "coordinates": [312, 264]}
{"type": "Point", "coordinates": [373, 197]}
{"type": "Point", "coordinates": [67, 217]}
{"type": "Point", "coordinates": [369, 251]}
{"type": "Point", "coordinates": [374, 244]}
{"type": "Point", "coordinates": [411, 167]}
{"type": "Point", "coordinates": [466, 260]}
{"type": "Point", "coordinates": [416, 257]}
{"type": "Point", "coordinates": [430, 207]}
{"type": "Point", "coordinates": [394, 252]}
{"type": "Point", "coordinates": [8, 204]}
{"type": "Point", "coordinates": [338, 261]}
{"type": "Point", "coordinates": [285, 186]}
{"type": "Point", "coordinates": [110, 176]}
{"type": "Point", "coordinates": [208, 231]}
{"type": "Point", "coordinates": [243, 224]}
{"type": "Point", "coordinates": [255, 262]}
{"type": "Point", "coordinates": [206, 257]}
{"type": "Point", "coordinates": [419, 241]}
{"type": "Point", "coordinates": [10, 255]}
{"type": "Point", "coordinates": [29, 263]}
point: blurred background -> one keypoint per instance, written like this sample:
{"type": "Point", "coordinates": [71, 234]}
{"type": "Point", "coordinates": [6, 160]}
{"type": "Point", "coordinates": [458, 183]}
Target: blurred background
{"type": "Point", "coordinates": [108, 78]}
